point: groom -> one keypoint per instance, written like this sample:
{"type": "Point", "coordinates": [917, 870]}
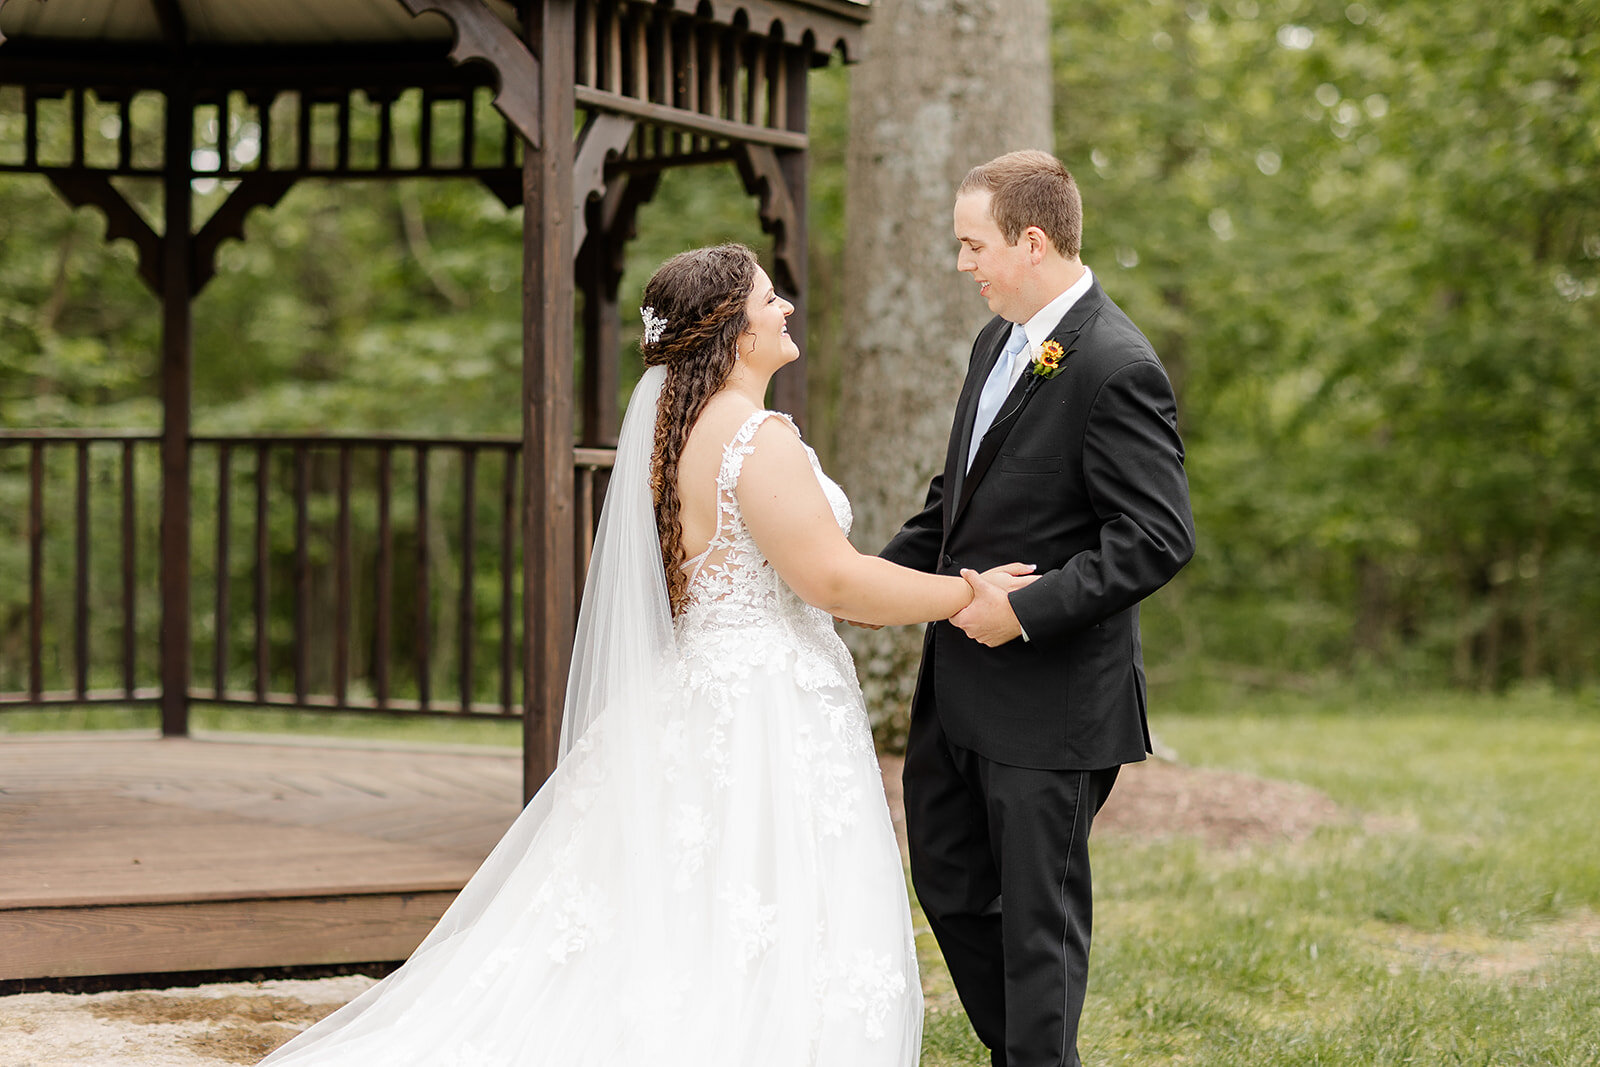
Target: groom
{"type": "Point", "coordinates": [1065, 454]}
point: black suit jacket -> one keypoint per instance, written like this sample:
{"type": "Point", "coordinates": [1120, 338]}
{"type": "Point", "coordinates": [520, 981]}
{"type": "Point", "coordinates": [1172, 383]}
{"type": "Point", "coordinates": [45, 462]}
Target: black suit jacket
{"type": "Point", "coordinates": [1081, 474]}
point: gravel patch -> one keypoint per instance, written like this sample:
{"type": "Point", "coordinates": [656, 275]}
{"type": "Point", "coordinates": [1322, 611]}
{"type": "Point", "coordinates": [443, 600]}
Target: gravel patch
{"type": "Point", "coordinates": [200, 1026]}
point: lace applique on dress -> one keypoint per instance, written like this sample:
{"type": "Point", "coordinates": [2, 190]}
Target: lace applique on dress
{"type": "Point", "coordinates": [750, 921]}
{"type": "Point", "coordinates": [741, 616]}
{"type": "Point", "coordinates": [731, 582]}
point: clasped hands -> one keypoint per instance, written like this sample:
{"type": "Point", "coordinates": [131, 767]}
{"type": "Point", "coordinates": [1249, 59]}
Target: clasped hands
{"type": "Point", "coordinates": [988, 618]}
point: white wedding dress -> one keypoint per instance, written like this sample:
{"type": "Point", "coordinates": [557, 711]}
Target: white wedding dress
{"type": "Point", "coordinates": [709, 878]}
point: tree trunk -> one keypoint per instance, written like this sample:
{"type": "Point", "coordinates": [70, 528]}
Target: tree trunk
{"type": "Point", "coordinates": [944, 85]}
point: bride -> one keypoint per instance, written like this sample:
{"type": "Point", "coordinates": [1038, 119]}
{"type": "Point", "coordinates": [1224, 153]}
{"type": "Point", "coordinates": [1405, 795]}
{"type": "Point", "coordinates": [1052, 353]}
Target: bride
{"type": "Point", "coordinates": [709, 877]}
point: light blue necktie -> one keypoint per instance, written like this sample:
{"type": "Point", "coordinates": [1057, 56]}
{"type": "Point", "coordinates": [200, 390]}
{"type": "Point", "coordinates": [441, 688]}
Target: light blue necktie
{"type": "Point", "coordinates": [995, 389]}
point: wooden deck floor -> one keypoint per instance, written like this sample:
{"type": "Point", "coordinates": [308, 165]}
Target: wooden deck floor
{"type": "Point", "coordinates": [129, 855]}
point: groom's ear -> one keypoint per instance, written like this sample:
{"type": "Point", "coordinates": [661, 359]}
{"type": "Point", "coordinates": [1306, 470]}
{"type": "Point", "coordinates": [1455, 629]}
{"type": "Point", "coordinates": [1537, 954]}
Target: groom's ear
{"type": "Point", "coordinates": [1036, 242]}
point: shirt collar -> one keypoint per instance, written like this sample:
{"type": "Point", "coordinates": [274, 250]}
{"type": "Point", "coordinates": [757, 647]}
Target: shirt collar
{"type": "Point", "coordinates": [1044, 322]}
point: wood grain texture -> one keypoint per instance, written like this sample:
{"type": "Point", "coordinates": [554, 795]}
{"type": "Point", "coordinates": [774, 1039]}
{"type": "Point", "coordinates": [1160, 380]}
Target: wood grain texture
{"type": "Point", "coordinates": [139, 854]}
{"type": "Point", "coordinates": [220, 935]}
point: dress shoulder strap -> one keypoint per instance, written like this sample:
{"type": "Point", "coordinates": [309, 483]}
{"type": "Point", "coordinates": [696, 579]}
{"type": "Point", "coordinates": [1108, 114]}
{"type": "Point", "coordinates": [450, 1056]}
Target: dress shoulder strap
{"type": "Point", "coordinates": [740, 446]}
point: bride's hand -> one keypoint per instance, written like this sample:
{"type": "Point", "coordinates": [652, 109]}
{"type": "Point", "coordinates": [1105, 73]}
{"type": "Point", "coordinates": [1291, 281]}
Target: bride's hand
{"type": "Point", "coordinates": [1011, 576]}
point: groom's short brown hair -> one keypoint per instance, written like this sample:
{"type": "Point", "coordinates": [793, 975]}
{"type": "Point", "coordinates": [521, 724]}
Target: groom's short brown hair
{"type": "Point", "coordinates": [1031, 188]}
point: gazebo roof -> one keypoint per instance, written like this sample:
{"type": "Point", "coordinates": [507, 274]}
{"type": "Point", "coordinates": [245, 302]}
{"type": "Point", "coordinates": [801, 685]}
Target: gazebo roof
{"type": "Point", "coordinates": [829, 23]}
{"type": "Point", "coordinates": [209, 22]}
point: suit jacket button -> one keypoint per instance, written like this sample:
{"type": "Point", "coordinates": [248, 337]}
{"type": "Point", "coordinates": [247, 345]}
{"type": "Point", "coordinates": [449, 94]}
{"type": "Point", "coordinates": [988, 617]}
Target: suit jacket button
{"type": "Point", "coordinates": [946, 561]}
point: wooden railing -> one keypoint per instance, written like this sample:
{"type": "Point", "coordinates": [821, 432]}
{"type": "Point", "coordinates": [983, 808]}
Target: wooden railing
{"type": "Point", "coordinates": [361, 573]}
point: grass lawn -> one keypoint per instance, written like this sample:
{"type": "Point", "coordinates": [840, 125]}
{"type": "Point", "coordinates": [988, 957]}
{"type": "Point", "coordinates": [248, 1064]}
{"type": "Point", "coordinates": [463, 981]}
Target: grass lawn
{"type": "Point", "coordinates": [1454, 918]}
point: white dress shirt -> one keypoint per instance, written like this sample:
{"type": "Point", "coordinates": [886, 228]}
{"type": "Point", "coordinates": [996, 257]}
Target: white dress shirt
{"type": "Point", "coordinates": [1021, 349]}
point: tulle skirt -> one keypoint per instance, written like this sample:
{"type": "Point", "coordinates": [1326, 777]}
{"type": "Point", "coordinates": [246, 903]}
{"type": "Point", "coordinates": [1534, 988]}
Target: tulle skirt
{"type": "Point", "coordinates": [709, 878]}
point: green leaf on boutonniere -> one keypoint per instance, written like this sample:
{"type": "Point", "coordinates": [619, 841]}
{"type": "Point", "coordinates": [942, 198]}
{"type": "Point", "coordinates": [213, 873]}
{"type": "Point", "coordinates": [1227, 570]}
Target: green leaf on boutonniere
{"type": "Point", "coordinates": [1047, 364]}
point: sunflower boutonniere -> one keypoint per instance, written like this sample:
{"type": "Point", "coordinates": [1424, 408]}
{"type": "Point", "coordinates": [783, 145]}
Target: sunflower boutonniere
{"type": "Point", "coordinates": [1047, 364]}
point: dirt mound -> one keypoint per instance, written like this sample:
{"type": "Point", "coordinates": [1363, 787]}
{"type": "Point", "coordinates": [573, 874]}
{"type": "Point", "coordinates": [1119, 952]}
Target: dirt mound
{"type": "Point", "coordinates": [1160, 798]}
{"type": "Point", "coordinates": [1224, 809]}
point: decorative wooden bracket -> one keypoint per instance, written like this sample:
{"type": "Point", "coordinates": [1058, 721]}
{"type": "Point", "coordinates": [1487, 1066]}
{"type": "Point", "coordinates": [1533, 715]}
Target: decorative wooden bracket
{"type": "Point", "coordinates": [614, 219]}
{"type": "Point", "coordinates": [763, 178]}
{"type": "Point", "coordinates": [260, 189]}
{"type": "Point", "coordinates": [481, 36]}
{"type": "Point", "coordinates": [88, 189]}
{"type": "Point", "coordinates": [603, 136]}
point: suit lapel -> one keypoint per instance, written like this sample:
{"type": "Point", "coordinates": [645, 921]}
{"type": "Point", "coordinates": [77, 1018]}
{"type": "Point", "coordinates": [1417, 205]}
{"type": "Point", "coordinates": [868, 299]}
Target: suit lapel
{"type": "Point", "coordinates": [989, 447]}
{"type": "Point", "coordinates": [1028, 384]}
{"type": "Point", "coordinates": [966, 411]}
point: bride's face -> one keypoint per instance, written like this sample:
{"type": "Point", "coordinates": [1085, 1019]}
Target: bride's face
{"type": "Point", "coordinates": [766, 345]}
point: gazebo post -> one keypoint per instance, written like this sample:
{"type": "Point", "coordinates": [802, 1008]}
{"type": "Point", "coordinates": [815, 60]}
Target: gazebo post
{"type": "Point", "coordinates": [602, 343]}
{"type": "Point", "coordinates": [610, 210]}
{"type": "Point", "coordinates": [789, 387]}
{"type": "Point", "coordinates": [547, 450]}
{"type": "Point", "coordinates": [177, 371]}
{"type": "Point", "coordinates": [789, 391]}
{"type": "Point", "coordinates": [778, 179]}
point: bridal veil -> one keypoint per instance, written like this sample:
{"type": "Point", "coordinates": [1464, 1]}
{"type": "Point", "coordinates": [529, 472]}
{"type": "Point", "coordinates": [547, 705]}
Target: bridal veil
{"type": "Point", "coordinates": [623, 643]}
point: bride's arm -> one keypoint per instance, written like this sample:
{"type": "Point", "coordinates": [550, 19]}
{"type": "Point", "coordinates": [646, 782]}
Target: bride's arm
{"type": "Point", "coordinates": [793, 525]}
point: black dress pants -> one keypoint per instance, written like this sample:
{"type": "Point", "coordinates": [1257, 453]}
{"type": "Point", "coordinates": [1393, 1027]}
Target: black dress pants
{"type": "Point", "coordinates": [1000, 862]}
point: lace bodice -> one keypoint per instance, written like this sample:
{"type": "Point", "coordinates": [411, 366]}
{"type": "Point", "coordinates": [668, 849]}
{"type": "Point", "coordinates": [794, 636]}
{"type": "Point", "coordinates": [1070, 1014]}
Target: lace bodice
{"type": "Point", "coordinates": [740, 612]}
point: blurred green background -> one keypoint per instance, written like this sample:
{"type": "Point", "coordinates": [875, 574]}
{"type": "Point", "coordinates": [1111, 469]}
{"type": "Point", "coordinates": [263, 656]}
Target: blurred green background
{"type": "Point", "coordinates": [1364, 237]}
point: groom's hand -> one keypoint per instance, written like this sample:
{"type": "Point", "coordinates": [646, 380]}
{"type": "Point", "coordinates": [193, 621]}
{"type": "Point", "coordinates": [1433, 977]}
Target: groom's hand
{"type": "Point", "coordinates": [989, 619]}
{"type": "Point", "coordinates": [1011, 576]}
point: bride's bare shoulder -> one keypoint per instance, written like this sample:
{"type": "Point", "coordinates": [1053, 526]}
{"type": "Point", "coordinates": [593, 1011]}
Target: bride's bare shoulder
{"type": "Point", "coordinates": [716, 424]}
{"type": "Point", "coordinates": [721, 418]}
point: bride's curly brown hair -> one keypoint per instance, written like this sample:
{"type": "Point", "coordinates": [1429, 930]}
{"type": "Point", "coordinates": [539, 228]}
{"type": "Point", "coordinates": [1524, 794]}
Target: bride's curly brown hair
{"type": "Point", "coordinates": [701, 295]}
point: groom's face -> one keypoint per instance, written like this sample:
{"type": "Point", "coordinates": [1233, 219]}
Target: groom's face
{"type": "Point", "coordinates": [1002, 270]}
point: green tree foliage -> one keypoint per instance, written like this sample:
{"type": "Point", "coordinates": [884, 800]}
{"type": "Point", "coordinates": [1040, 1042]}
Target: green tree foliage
{"type": "Point", "coordinates": [350, 307]}
{"type": "Point", "coordinates": [1364, 236]}
{"type": "Point", "coordinates": [1366, 240]}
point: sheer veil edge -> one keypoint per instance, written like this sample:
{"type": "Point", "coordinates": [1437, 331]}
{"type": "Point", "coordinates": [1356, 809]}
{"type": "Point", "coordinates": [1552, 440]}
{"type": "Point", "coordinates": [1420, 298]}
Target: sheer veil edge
{"type": "Point", "coordinates": [624, 632]}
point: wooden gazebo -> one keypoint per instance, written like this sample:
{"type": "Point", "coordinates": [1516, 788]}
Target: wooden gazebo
{"type": "Point", "coordinates": [130, 855]}
{"type": "Point", "coordinates": [255, 95]}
